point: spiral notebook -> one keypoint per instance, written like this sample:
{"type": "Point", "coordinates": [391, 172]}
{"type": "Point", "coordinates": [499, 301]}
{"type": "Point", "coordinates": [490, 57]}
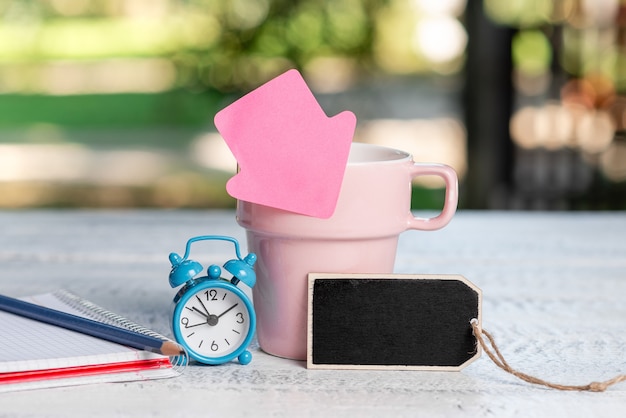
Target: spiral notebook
{"type": "Point", "coordinates": [37, 355]}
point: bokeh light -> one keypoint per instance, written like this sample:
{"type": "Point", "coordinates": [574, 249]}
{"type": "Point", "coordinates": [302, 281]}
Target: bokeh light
{"type": "Point", "coordinates": [613, 162]}
{"type": "Point", "coordinates": [522, 13]}
{"type": "Point", "coordinates": [440, 38]}
{"type": "Point", "coordinates": [532, 53]}
{"type": "Point", "coordinates": [553, 126]}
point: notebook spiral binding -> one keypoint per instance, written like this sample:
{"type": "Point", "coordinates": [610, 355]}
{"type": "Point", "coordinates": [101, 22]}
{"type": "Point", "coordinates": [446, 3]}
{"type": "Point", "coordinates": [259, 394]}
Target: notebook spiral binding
{"type": "Point", "coordinates": [98, 313]}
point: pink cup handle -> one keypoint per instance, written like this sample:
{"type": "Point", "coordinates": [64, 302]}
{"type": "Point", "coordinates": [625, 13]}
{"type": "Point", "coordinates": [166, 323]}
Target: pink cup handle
{"type": "Point", "coordinates": [452, 196]}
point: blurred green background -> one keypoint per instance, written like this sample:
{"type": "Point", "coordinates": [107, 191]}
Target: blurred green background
{"type": "Point", "coordinates": [109, 103]}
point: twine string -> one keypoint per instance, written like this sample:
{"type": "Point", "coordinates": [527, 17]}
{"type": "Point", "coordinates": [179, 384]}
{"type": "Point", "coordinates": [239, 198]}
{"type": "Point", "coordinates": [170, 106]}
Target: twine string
{"type": "Point", "coordinates": [496, 356]}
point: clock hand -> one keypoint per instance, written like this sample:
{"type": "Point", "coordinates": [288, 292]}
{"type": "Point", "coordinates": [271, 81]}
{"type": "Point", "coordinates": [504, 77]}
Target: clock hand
{"type": "Point", "coordinates": [210, 319]}
{"type": "Point", "coordinates": [227, 310]}
{"type": "Point", "coordinates": [200, 312]}
{"type": "Point", "coordinates": [203, 307]}
{"type": "Point", "coordinates": [195, 325]}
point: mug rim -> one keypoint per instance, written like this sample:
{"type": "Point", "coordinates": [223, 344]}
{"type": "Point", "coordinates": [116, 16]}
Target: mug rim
{"type": "Point", "coordinates": [364, 153]}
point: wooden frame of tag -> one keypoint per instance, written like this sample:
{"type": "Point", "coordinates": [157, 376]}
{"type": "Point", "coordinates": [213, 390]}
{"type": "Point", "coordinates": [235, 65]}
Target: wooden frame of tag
{"type": "Point", "coordinates": [431, 278]}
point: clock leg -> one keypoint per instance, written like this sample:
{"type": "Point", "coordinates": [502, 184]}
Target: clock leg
{"type": "Point", "coordinates": [245, 357]}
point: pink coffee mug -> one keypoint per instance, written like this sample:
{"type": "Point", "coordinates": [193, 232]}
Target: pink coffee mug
{"type": "Point", "coordinates": [373, 208]}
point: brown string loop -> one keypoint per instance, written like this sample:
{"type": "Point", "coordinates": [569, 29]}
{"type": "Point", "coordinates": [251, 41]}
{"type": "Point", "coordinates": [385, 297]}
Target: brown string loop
{"type": "Point", "coordinates": [496, 356]}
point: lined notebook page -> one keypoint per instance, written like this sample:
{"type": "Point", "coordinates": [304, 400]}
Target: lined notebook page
{"type": "Point", "coordinates": [31, 345]}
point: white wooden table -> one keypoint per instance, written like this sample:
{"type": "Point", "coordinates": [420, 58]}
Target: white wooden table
{"type": "Point", "coordinates": [554, 296]}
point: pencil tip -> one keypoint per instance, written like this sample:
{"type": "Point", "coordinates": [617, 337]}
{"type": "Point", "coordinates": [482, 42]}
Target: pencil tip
{"type": "Point", "coordinates": [170, 348]}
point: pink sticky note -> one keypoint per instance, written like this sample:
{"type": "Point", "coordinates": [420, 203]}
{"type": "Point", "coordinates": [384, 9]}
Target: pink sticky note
{"type": "Point", "coordinates": [291, 155]}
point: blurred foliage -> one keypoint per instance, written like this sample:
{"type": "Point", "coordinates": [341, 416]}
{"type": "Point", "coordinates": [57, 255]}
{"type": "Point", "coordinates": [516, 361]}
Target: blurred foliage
{"type": "Point", "coordinates": [227, 45]}
{"type": "Point", "coordinates": [249, 42]}
{"type": "Point", "coordinates": [140, 75]}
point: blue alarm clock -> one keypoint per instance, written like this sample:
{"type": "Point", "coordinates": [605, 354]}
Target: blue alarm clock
{"type": "Point", "coordinates": [213, 318]}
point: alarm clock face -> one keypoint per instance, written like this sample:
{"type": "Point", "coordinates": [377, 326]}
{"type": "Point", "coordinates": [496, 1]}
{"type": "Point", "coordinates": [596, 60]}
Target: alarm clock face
{"type": "Point", "coordinates": [214, 323]}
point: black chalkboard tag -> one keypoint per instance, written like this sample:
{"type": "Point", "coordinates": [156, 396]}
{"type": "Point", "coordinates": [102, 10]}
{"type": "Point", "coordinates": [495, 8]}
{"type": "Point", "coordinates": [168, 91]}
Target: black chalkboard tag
{"type": "Point", "coordinates": [391, 321]}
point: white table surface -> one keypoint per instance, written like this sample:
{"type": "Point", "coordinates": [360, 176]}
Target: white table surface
{"type": "Point", "coordinates": [554, 296]}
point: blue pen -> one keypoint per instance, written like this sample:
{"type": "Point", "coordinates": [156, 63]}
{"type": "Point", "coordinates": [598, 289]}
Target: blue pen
{"type": "Point", "coordinates": [90, 327]}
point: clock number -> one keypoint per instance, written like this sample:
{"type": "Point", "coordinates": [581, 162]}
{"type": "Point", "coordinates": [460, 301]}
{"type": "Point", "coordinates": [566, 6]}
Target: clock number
{"type": "Point", "coordinates": [185, 321]}
{"type": "Point", "coordinates": [240, 319]}
{"type": "Point", "coordinates": [214, 346]}
{"type": "Point", "coordinates": [211, 294]}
